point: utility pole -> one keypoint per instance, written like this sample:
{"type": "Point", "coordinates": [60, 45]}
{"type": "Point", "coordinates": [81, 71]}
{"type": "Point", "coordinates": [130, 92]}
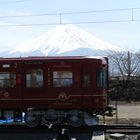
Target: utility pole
{"type": "Point", "coordinates": [128, 66]}
{"type": "Point", "coordinates": [116, 105]}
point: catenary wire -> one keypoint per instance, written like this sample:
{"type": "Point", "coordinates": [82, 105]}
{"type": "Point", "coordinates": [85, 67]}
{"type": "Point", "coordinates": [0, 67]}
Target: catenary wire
{"type": "Point", "coordinates": [70, 13]}
{"type": "Point", "coordinates": [45, 24]}
{"type": "Point", "coordinates": [61, 14]}
{"type": "Point", "coordinates": [14, 1]}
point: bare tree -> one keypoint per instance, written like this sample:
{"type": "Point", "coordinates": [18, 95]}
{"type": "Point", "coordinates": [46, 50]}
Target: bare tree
{"type": "Point", "coordinates": [125, 64]}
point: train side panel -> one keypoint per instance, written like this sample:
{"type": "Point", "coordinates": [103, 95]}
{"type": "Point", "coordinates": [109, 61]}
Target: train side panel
{"type": "Point", "coordinates": [53, 84]}
{"type": "Point", "coordinates": [59, 83]}
{"type": "Point", "coordinates": [10, 85]}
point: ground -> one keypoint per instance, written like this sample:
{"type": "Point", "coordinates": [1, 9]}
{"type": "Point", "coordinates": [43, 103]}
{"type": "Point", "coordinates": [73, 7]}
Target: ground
{"type": "Point", "coordinates": [127, 113]}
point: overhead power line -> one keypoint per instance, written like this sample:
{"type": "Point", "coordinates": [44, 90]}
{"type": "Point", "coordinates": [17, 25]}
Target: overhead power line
{"type": "Point", "coordinates": [90, 22]}
{"type": "Point", "coordinates": [98, 11]}
{"type": "Point", "coordinates": [70, 13]}
{"type": "Point", "coordinates": [14, 1]}
{"type": "Point", "coordinates": [36, 15]}
{"type": "Point", "coordinates": [60, 20]}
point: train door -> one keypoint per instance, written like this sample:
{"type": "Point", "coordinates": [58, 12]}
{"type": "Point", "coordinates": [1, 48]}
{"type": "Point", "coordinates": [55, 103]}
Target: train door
{"type": "Point", "coordinates": [87, 85]}
{"type": "Point", "coordinates": [33, 87]}
{"type": "Point", "coordinates": [10, 93]}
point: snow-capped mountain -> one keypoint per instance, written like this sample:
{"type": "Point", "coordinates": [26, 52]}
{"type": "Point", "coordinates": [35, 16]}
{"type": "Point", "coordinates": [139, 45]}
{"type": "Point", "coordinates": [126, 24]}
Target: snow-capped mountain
{"type": "Point", "coordinates": [63, 40]}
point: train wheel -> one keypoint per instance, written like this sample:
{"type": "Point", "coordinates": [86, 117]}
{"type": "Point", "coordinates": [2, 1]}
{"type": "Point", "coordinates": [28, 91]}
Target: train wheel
{"type": "Point", "coordinates": [76, 121]}
{"type": "Point", "coordinates": [32, 120]}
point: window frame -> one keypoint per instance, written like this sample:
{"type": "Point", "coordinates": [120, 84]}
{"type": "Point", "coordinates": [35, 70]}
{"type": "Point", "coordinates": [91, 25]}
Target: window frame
{"type": "Point", "coordinates": [102, 78]}
{"type": "Point", "coordinates": [62, 79]}
{"type": "Point", "coordinates": [86, 79]}
{"type": "Point", "coordinates": [11, 81]}
{"type": "Point", "coordinates": [29, 83]}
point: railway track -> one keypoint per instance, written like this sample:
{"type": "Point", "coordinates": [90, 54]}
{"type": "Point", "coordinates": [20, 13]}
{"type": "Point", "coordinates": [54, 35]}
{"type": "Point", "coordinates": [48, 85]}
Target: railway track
{"type": "Point", "coordinates": [22, 132]}
{"type": "Point", "coordinates": [84, 129]}
{"type": "Point", "coordinates": [125, 129]}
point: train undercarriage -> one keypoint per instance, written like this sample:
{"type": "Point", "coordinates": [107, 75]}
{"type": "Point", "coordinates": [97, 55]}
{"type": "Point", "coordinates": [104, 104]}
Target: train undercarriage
{"type": "Point", "coordinates": [73, 117]}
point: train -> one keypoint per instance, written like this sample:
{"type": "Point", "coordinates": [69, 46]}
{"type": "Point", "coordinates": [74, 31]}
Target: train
{"type": "Point", "coordinates": [55, 90]}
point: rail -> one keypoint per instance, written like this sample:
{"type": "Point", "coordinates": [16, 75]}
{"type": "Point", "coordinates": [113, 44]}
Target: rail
{"type": "Point", "coordinates": [83, 132]}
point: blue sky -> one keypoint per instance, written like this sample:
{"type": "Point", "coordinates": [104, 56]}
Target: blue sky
{"type": "Point", "coordinates": [122, 34]}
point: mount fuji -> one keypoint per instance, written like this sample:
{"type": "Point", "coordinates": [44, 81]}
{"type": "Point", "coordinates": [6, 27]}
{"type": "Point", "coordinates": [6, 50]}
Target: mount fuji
{"type": "Point", "coordinates": [63, 40]}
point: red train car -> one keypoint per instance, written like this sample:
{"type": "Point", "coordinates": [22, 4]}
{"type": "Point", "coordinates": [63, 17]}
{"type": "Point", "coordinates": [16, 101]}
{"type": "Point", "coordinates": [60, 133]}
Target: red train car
{"type": "Point", "coordinates": [54, 90]}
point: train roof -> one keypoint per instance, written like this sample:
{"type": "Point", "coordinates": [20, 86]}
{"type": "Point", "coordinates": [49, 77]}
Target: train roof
{"type": "Point", "coordinates": [53, 58]}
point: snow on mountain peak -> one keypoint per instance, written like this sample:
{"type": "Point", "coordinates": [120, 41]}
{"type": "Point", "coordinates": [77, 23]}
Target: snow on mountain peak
{"type": "Point", "coordinates": [64, 38]}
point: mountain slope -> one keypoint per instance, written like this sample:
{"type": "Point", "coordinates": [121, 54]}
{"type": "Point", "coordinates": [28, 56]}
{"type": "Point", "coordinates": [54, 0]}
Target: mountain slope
{"type": "Point", "coordinates": [64, 40]}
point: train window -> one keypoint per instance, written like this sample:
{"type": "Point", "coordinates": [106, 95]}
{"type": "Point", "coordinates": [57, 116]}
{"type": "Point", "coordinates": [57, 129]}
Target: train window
{"type": "Point", "coordinates": [62, 78]}
{"type": "Point", "coordinates": [7, 79]}
{"type": "Point", "coordinates": [102, 78]}
{"type": "Point", "coordinates": [34, 78]}
{"type": "Point", "coordinates": [86, 79]}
